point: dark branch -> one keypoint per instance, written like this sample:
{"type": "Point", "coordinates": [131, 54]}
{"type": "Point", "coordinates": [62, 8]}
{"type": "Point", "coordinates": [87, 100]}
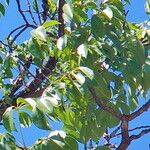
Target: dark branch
{"type": "Point", "coordinates": [45, 10]}
{"type": "Point", "coordinates": [103, 105]}
{"type": "Point", "coordinates": [142, 133]}
{"type": "Point", "coordinates": [140, 111]}
{"type": "Point", "coordinates": [125, 141]}
{"type": "Point", "coordinates": [22, 14]}
{"type": "Point", "coordinates": [29, 7]}
{"type": "Point", "coordinates": [37, 10]}
{"type": "Point", "coordinates": [61, 27]}
{"type": "Point", "coordinates": [18, 34]}
{"type": "Point", "coordinates": [15, 31]}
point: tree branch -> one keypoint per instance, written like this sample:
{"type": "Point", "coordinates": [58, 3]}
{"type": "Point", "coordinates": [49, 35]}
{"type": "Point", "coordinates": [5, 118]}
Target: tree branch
{"type": "Point", "coordinates": [61, 27]}
{"type": "Point", "coordinates": [140, 111]}
{"type": "Point", "coordinates": [37, 10]}
{"type": "Point", "coordinates": [142, 133]}
{"type": "Point", "coordinates": [22, 14]}
{"type": "Point", "coordinates": [29, 7]}
{"type": "Point", "coordinates": [45, 10]}
{"type": "Point", "coordinates": [125, 141]}
{"type": "Point", "coordinates": [104, 106]}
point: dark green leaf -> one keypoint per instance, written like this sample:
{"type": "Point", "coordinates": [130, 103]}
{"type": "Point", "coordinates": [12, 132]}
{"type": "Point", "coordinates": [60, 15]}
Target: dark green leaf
{"type": "Point", "coordinates": [8, 120]}
{"type": "Point", "coordinates": [2, 9]}
{"type": "Point", "coordinates": [24, 119]}
{"type": "Point", "coordinates": [97, 26]}
{"type": "Point", "coordinates": [40, 120]}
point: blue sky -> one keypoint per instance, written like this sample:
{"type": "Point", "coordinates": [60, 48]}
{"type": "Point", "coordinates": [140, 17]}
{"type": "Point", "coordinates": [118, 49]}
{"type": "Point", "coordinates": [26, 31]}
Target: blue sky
{"type": "Point", "coordinates": [13, 19]}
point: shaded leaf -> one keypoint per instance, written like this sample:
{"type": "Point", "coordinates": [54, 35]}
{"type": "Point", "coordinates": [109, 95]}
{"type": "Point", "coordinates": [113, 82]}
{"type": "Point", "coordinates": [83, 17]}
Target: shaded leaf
{"type": "Point", "coordinates": [25, 119]}
{"type": "Point", "coordinates": [8, 120]}
{"type": "Point", "coordinates": [40, 120]}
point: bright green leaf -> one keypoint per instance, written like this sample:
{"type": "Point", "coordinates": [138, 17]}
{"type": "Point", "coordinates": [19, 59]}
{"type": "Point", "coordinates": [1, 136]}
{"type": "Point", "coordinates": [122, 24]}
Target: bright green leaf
{"type": "Point", "coordinates": [50, 23]}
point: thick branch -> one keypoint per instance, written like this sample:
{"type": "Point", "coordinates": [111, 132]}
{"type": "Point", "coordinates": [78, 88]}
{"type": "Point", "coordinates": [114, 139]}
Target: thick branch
{"type": "Point", "coordinates": [140, 111]}
{"type": "Point", "coordinates": [60, 18]}
{"type": "Point", "coordinates": [103, 105]}
{"type": "Point", "coordinates": [125, 141]}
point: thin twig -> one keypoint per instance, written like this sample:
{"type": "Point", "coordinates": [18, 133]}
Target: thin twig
{"type": "Point", "coordinates": [38, 13]}
{"type": "Point", "coordinates": [142, 133]}
{"type": "Point", "coordinates": [22, 14]}
{"type": "Point", "coordinates": [19, 33]}
{"type": "Point", "coordinates": [137, 128]}
{"type": "Point", "coordinates": [15, 30]}
{"type": "Point", "coordinates": [29, 7]}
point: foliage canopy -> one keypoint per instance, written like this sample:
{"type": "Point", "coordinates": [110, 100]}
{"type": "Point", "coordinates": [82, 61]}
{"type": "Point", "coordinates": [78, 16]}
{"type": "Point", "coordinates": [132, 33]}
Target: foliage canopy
{"type": "Point", "coordinates": [84, 65]}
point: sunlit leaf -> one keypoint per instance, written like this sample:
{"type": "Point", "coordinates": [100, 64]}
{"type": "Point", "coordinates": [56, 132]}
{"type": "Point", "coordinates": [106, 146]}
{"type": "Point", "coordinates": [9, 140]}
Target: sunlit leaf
{"type": "Point", "coordinates": [82, 50]}
{"type": "Point", "coordinates": [50, 23]}
{"type": "Point", "coordinates": [79, 77]}
{"type": "Point", "coordinates": [40, 33]}
{"type": "Point", "coordinates": [108, 12]}
{"type": "Point", "coordinates": [68, 12]}
{"type": "Point", "coordinates": [87, 71]}
{"type": "Point", "coordinates": [62, 42]}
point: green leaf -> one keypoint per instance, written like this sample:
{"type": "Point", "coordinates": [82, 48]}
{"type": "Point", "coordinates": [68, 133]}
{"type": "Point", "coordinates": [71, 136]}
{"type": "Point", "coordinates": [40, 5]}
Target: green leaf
{"type": "Point", "coordinates": [147, 7]}
{"type": "Point", "coordinates": [68, 12]}
{"type": "Point", "coordinates": [40, 120]}
{"type": "Point", "coordinates": [97, 26]}
{"type": "Point", "coordinates": [47, 144]}
{"type": "Point", "coordinates": [71, 142]}
{"type": "Point", "coordinates": [21, 101]}
{"type": "Point", "coordinates": [79, 77]}
{"type": "Point", "coordinates": [1, 60]}
{"type": "Point", "coordinates": [24, 119]}
{"type": "Point", "coordinates": [82, 50]}
{"type": "Point", "coordinates": [8, 120]}
{"type": "Point", "coordinates": [87, 71]}
{"type": "Point", "coordinates": [45, 105]}
{"type": "Point", "coordinates": [133, 104]}
{"type": "Point", "coordinates": [108, 12]}
{"type": "Point", "coordinates": [145, 77]}
{"type": "Point", "coordinates": [2, 9]}
{"type": "Point", "coordinates": [50, 23]}
{"type": "Point", "coordinates": [39, 33]}
{"type": "Point", "coordinates": [62, 42]}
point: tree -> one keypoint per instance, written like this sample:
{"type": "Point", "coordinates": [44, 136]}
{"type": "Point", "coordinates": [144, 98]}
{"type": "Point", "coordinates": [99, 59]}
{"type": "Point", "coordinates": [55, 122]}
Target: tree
{"type": "Point", "coordinates": [84, 65]}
